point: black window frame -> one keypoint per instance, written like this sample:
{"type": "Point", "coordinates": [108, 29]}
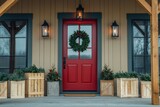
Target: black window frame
{"type": "Point", "coordinates": [28, 19]}
{"type": "Point", "coordinates": [130, 19]}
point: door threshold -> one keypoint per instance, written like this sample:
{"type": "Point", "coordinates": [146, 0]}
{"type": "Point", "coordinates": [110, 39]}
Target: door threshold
{"type": "Point", "coordinates": [80, 95]}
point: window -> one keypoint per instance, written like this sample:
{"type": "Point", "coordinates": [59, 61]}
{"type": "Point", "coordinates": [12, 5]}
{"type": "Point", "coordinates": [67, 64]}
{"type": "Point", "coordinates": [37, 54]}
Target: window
{"type": "Point", "coordinates": [141, 46]}
{"type": "Point", "coordinates": [87, 54]}
{"type": "Point", "coordinates": [15, 42]}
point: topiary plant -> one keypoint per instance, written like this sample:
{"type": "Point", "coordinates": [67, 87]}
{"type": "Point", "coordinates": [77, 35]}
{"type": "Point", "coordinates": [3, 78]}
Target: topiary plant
{"type": "Point", "coordinates": [126, 75]}
{"type": "Point", "coordinates": [53, 75]}
{"type": "Point", "coordinates": [107, 73]}
{"type": "Point", "coordinates": [33, 69]}
{"type": "Point", "coordinates": [4, 77]}
{"type": "Point", "coordinates": [18, 75]}
{"type": "Point", "coordinates": [145, 77]}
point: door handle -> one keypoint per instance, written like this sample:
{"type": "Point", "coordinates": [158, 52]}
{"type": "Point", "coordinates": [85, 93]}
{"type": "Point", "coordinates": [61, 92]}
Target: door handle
{"type": "Point", "coordinates": [64, 62]}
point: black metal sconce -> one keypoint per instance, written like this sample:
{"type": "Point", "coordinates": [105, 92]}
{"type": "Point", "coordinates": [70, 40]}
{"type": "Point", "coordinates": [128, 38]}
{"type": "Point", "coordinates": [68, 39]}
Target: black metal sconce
{"type": "Point", "coordinates": [45, 29]}
{"type": "Point", "coordinates": [80, 12]}
{"type": "Point", "coordinates": [115, 29]}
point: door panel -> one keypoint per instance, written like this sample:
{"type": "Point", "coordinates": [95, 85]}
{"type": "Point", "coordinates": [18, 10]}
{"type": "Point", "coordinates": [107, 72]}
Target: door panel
{"type": "Point", "coordinates": [86, 73]}
{"type": "Point", "coordinates": [72, 73]}
{"type": "Point", "coordinates": [79, 68]}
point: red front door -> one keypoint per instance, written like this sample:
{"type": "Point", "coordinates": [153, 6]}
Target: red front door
{"type": "Point", "coordinates": [79, 68]}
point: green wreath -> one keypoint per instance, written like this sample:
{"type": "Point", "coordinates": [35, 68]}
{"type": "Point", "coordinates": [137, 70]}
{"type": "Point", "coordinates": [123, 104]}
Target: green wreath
{"type": "Point", "coordinates": [85, 41]}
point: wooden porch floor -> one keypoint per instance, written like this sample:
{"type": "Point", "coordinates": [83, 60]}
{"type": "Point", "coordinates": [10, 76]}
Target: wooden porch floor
{"type": "Point", "coordinates": [77, 102]}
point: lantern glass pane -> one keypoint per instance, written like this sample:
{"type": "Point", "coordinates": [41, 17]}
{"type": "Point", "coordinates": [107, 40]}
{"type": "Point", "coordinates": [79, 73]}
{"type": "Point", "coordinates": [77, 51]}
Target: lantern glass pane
{"type": "Point", "coordinates": [79, 14]}
{"type": "Point", "coordinates": [45, 31]}
{"type": "Point", "coordinates": [115, 31]}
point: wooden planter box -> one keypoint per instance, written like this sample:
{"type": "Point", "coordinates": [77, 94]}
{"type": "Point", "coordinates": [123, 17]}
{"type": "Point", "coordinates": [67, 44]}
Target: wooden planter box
{"type": "Point", "coordinates": [107, 87]}
{"type": "Point", "coordinates": [127, 87]}
{"type": "Point", "coordinates": [34, 84]}
{"type": "Point", "coordinates": [53, 88]}
{"type": "Point", "coordinates": [146, 89]}
{"type": "Point", "coordinates": [17, 89]}
{"type": "Point", "coordinates": [3, 89]}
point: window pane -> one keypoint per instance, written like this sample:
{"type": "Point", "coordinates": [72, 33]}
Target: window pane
{"type": "Point", "coordinates": [4, 70]}
{"type": "Point", "coordinates": [148, 64]}
{"type": "Point", "coordinates": [139, 62]}
{"type": "Point", "coordinates": [4, 62]}
{"type": "Point", "coordinates": [22, 32]}
{"type": "Point", "coordinates": [21, 46]}
{"type": "Point", "coordinates": [20, 62]}
{"type": "Point", "coordinates": [71, 29]}
{"type": "Point", "coordinates": [88, 30]}
{"type": "Point", "coordinates": [139, 70]}
{"type": "Point", "coordinates": [4, 46]}
{"type": "Point", "coordinates": [138, 29]}
{"type": "Point", "coordinates": [3, 31]}
{"type": "Point", "coordinates": [87, 54]}
{"type": "Point", "coordinates": [72, 54]}
{"type": "Point", "coordinates": [148, 44]}
{"type": "Point", "coordinates": [149, 29]}
{"type": "Point", "coordinates": [138, 46]}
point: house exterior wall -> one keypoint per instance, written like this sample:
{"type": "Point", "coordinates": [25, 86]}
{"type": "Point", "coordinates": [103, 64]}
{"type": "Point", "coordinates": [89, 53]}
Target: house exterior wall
{"type": "Point", "coordinates": [45, 51]}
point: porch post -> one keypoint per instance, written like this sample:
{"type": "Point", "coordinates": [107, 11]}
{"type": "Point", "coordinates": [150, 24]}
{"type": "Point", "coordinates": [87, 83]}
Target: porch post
{"type": "Point", "coordinates": [153, 11]}
{"type": "Point", "coordinates": [154, 52]}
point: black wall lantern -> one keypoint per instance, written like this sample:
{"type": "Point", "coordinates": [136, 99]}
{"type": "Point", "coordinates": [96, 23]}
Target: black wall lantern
{"type": "Point", "coordinates": [115, 29]}
{"type": "Point", "coordinates": [80, 12]}
{"type": "Point", "coordinates": [45, 29]}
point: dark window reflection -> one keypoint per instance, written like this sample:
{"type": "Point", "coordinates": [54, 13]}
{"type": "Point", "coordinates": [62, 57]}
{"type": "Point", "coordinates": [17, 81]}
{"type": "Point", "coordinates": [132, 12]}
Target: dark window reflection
{"type": "Point", "coordinates": [13, 47]}
{"type": "Point", "coordinates": [141, 46]}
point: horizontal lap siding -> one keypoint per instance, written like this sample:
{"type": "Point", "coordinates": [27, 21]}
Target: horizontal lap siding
{"type": "Point", "coordinates": [45, 51]}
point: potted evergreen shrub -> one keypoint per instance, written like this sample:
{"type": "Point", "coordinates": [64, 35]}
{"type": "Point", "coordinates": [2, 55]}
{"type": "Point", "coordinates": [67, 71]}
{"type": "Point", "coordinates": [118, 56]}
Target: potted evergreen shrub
{"type": "Point", "coordinates": [145, 85]}
{"type": "Point", "coordinates": [34, 81]}
{"type": "Point", "coordinates": [53, 79]}
{"type": "Point", "coordinates": [17, 84]}
{"type": "Point", "coordinates": [126, 84]}
{"type": "Point", "coordinates": [107, 82]}
{"type": "Point", "coordinates": [3, 85]}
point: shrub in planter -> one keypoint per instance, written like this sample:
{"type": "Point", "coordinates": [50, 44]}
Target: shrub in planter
{"type": "Point", "coordinates": [127, 84]}
{"type": "Point", "coordinates": [4, 77]}
{"type": "Point", "coordinates": [34, 81]}
{"type": "Point", "coordinates": [145, 85]}
{"type": "Point", "coordinates": [17, 84]}
{"type": "Point", "coordinates": [33, 69]}
{"type": "Point", "coordinates": [53, 79]}
{"type": "Point", "coordinates": [17, 75]}
{"type": "Point", "coordinates": [145, 77]}
{"type": "Point", "coordinates": [126, 75]}
{"type": "Point", "coordinates": [107, 83]}
{"type": "Point", "coordinates": [3, 85]}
